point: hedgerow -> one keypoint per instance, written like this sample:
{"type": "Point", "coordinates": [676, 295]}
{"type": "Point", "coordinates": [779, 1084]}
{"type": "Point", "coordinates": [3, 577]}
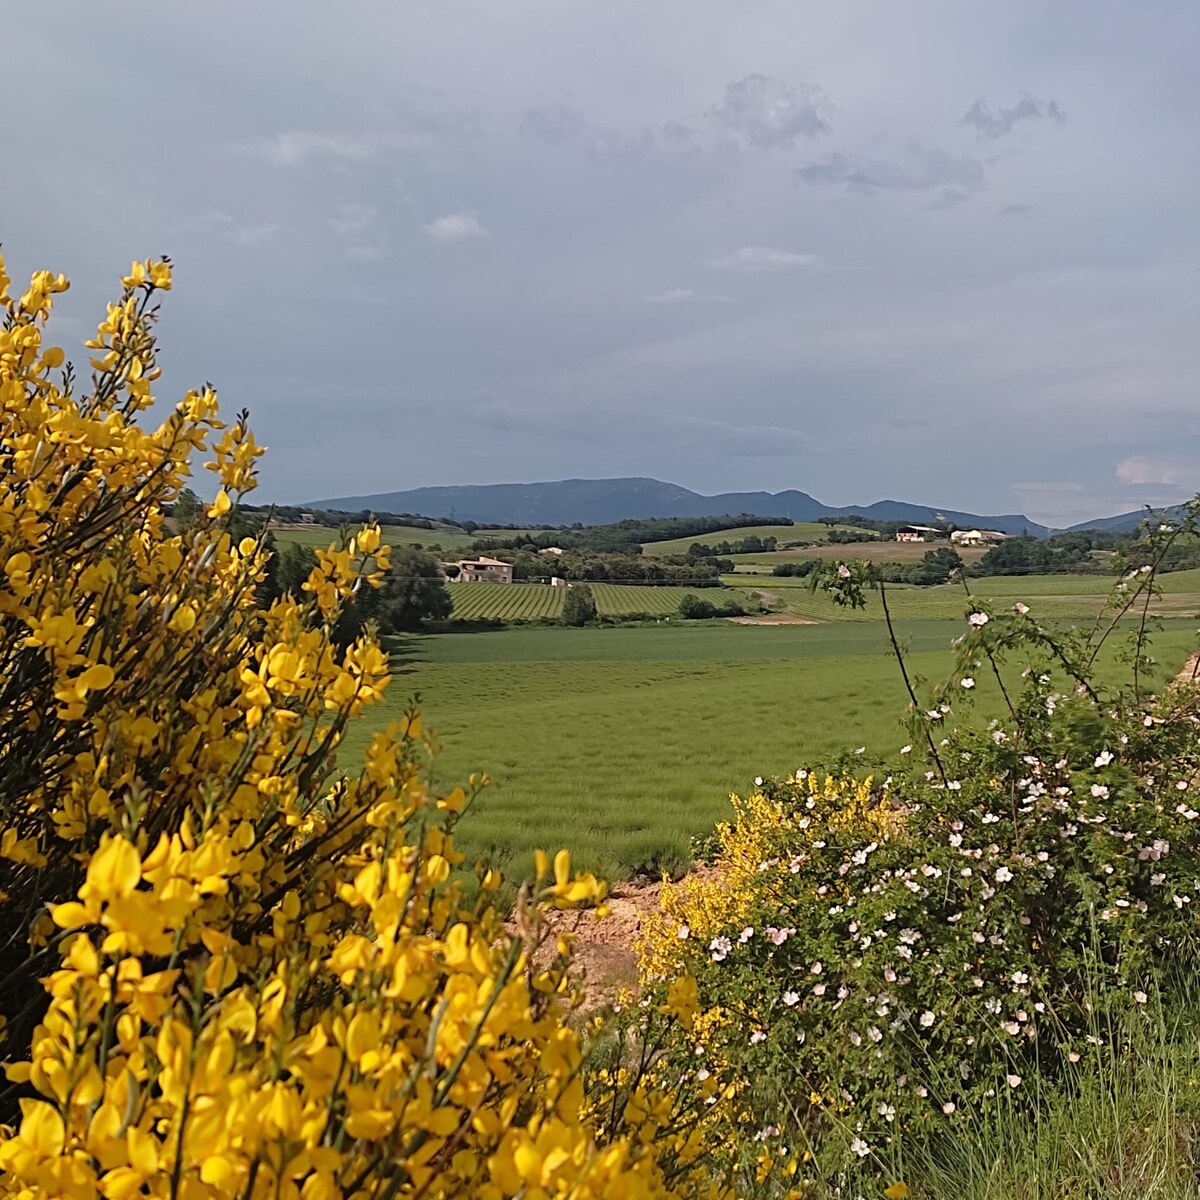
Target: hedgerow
{"type": "Point", "coordinates": [229, 969]}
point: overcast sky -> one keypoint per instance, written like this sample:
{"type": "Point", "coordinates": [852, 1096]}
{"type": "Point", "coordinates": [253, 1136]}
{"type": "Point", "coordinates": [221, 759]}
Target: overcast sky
{"type": "Point", "coordinates": [943, 252]}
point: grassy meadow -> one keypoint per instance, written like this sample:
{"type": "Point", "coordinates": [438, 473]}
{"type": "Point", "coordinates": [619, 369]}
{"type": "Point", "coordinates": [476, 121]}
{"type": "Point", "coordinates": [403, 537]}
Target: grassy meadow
{"type": "Point", "coordinates": [873, 551]}
{"type": "Point", "coordinates": [622, 743]}
{"type": "Point", "coordinates": [448, 537]}
{"type": "Point", "coordinates": [801, 531]}
{"type": "Point", "coordinates": [1057, 597]}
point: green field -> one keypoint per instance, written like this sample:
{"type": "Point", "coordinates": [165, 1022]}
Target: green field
{"type": "Point", "coordinates": [1059, 597]}
{"type": "Point", "coordinates": [622, 743]}
{"type": "Point", "coordinates": [875, 551]}
{"type": "Point", "coordinates": [537, 601]}
{"type": "Point", "coordinates": [801, 531]}
{"type": "Point", "coordinates": [448, 537]}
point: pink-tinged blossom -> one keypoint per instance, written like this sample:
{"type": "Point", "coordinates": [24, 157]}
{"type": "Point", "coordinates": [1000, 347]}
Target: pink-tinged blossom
{"type": "Point", "coordinates": [1021, 608]}
{"type": "Point", "coordinates": [1099, 791]}
{"type": "Point", "coordinates": [978, 619]}
{"type": "Point", "coordinates": [1104, 758]}
{"type": "Point", "coordinates": [791, 999]}
{"type": "Point", "coordinates": [720, 947]}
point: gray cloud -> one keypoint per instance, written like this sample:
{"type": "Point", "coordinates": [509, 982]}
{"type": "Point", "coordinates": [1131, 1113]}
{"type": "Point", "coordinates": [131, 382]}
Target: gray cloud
{"type": "Point", "coordinates": [761, 113]}
{"type": "Point", "coordinates": [1001, 121]}
{"type": "Point", "coordinates": [755, 113]}
{"type": "Point", "coordinates": [920, 169]}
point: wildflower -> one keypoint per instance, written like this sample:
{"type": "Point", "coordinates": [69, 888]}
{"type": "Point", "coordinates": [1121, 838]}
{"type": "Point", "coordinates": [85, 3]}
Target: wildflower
{"type": "Point", "coordinates": [757, 1036]}
{"type": "Point", "coordinates": [1020, 608]}
{"type": "Point", "coordinates": [1003, 875]}
{"type": "Point", "coordinates": [746, 934]}
{"type": "Point", "coordinates": [1104, 758]}
{"type": "Point", "coordinates": [1011, 1028]}
{"type": "Point", "coordinates": [1020, 978]}
{"type": "Point", "coordinates": [720, 947]}
{"type": "Point", "coordinates": [887, 1112]}
{"type": "Point", "coordinates": [1140, 997]}
{"type": "Point", "coordinates": [683, 932]}
{"type": "Point", "coordinates": [791, 999]}
{"type": "Point", "coordinates": [859, 1147]}
{"type": "Point", "coordinates": [758, 781]}
{"type": "Point", "coordinates": [816, 968]}
{"type": "Point", "coordinates": [843, 571]}
{"type": "Point", "coordinates": [1099, 791]}
{"type": "Point", "coordinates": [948, 1107]}
{"type": "Point", "coordinates": [978, 619]}
{"type": "Point", "coordinates": [897, 1191]}
{"type": "Point", "coordinates": [927, 1019]}
{"type": "Point", "coordinates": [1014, 1081]}
{"type": "Point", "coordinates": [905, 749]}
{"type": "Point", "coordinates": [968, 683]}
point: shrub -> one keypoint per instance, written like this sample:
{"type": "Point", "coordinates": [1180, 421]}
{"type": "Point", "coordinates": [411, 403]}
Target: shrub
{"type": "Point", "coordinates": [907, 953]}
{"type": "Point", "coordinates": [258, 977]}
{"type": "Point", "coordinates": [579, 605]}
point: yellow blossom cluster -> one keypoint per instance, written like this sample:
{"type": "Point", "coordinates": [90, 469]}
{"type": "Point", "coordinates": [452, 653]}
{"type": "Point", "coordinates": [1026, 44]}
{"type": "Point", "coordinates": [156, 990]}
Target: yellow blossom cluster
{"type": "Point", "coordinates": [763, 827]}
{"type": "Point", "coordinates": [229, 969]}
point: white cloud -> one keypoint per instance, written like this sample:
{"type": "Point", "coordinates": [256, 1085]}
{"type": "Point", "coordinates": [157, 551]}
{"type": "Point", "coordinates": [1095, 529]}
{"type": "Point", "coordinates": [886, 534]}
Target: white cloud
{"type": "Point", "coordinates": [765, 258]}
{"type": "Point", "coordinates": [1143, 469]}
{"type": "Point", "coordinates": [683, 296]}
{"type": "Point", "coordinates": [295, 147]}
{"type": "Point", "coordinates": [455, 227]}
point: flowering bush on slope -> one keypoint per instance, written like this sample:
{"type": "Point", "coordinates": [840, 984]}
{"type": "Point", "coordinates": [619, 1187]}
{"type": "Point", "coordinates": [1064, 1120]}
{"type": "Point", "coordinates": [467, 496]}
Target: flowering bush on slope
{"type": "Point", "coordinates": [893, 956]}
{"type": "Point", "coordinates": [226, 971]}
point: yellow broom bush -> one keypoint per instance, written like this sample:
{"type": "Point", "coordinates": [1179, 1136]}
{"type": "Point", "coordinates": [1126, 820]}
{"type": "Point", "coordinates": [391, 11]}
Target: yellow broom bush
{"type": "Point", "coordinates": [227, 970]}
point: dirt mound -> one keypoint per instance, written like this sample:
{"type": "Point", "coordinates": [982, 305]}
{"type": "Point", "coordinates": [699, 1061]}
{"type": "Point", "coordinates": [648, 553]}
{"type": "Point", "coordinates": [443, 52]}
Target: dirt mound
{"type": "Point", "coordinates": [604, 952]}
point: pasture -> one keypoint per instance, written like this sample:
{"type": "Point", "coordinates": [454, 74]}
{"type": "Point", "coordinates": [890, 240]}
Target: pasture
{"type": "Point", "coordinates": [874, 551]}
{"type": "Point", "coordinates": [622, 743]}
{"type": "Point", "coordinates": [1055, 597]}
{"type": "Point", "coordinates": [450, 538]}
{"type": "Point", "coordinates": [539, 602]}
{"type": "Point", "coordinates": [801, 531]}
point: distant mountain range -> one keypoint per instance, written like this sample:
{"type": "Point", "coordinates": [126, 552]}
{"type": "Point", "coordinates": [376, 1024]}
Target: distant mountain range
{"type": "Point", "coordinates": [600, 501]}
{"type": "Point", "coordinates": [1126, 522]}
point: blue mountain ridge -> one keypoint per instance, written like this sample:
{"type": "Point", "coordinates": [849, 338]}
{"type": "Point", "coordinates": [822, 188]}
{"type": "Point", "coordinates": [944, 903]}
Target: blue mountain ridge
{"type": "Point", "coordinates": [601, 501]}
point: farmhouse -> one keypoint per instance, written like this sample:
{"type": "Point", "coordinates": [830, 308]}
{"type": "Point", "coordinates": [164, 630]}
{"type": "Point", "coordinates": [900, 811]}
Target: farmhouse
{"type": "Point", "coordinates": [484, 570]}
{"type": "Point", "coordinates": [557, 551]}
{"type": "Point", "coordinates": [978, 537]}
{"type": "Point", "coordinates": [918, 533]}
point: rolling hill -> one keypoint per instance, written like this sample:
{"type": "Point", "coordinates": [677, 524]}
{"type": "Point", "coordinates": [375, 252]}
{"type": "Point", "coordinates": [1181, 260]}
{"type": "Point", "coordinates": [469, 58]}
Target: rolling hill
{"type": "Point", "coordinates": [600, 501]}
